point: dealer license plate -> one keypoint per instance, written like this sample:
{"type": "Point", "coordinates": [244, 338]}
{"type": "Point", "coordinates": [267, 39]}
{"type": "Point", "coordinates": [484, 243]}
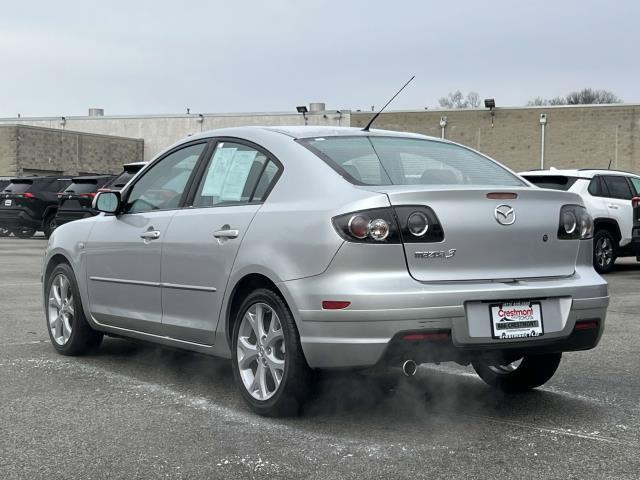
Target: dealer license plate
{"type": "Point", "coordinates": [521, 319]}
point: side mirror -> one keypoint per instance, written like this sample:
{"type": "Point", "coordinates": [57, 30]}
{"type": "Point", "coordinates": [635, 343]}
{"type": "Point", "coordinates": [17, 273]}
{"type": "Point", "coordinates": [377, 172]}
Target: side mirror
{"type": "Point", "coordinates": [107, 202]}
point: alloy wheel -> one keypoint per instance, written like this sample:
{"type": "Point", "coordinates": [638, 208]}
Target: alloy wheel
{"type": "Point", "coordinates": [604, 252]}
{"type": "Point", "coordinates": [261, 351]}
{"type": "Point", "coordinates": [61, 309]}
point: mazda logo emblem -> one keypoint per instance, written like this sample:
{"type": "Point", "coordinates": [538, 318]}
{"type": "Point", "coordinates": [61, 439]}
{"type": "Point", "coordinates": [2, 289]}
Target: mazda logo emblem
{"type": "Point", "coordinates": [505, 215]}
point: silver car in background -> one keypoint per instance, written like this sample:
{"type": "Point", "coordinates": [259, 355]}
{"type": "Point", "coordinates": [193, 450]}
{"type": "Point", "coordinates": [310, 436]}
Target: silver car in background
{"type": "Point", "coordinates": [291, 249]}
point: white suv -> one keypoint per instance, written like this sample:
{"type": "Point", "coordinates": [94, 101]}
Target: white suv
{"type": "Point", "coordinates": [609, 196]}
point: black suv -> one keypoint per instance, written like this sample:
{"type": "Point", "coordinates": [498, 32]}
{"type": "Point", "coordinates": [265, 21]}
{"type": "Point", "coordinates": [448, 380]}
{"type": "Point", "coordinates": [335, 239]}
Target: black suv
{"type": "Point", "coordinates": [4, 181]}
{"type": "Point", "coordinates": [30, 204]}
{"type": "Point", "coordinates": [636, 226]}
{"type": "Point", "coordinates": [75, 202]}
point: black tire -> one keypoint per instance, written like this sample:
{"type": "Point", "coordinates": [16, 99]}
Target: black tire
{"type": "Point", "coordinates": [24, 232]}
{"type": "Point", "coordinates": [605, 251]}
{"type": "Point", "coordinates": [294, 388]}
{"type": "Point", "coordinates": [533, 371]}
{"type": "Point", "coordinates": [4, 232]}
{"type": "Point", "coordinates": [83, 338]}
{"type": "Point", "coordinates": [49, 225]}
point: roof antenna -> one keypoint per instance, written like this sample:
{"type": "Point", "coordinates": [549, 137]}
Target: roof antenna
{"type": "Point", "coordinates": [366, 129]}
{"type": "Point", "coordinates": [609, 167]}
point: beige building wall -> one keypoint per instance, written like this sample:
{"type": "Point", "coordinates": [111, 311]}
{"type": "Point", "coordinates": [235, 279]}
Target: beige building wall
{"type": "Point", "coordinates": [161, 131]}
{"type": "Point", "coordinates": [26, 149]}
{"type": "Point", "coordinates": [582, 136]}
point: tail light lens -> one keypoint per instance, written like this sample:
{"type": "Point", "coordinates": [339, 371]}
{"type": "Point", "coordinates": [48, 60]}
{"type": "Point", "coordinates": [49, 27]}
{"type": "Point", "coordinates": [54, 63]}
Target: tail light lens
{"type": "Point", "coordinates": [575, 223]}
{"type": "Point", "coordinates": [635, 202]}
{"type": "Point", "coordinates": [25, 195]}
{"type": "Point", "coordinates": [368, 226]}
{"type": "Point", "coordinates": [409, 224]}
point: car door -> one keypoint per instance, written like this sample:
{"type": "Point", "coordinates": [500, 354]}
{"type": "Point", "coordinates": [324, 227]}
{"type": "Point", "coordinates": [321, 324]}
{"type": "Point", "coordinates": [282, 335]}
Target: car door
{"type": "Point", "coordinates": [123, 252]}
{"type": "Point", "coordinates": [619, 204]}
{"type": "Point", "coordinates": [202, 241]}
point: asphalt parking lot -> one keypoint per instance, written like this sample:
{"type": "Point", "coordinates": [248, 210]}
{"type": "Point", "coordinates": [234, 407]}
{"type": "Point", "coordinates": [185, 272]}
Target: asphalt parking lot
{"type": "Point", "coordinates": [136, 411]}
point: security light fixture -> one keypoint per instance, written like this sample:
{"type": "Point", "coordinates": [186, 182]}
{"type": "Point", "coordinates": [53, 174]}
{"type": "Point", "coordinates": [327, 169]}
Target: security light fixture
{"type": "Point", "coordinates": [303, 110]}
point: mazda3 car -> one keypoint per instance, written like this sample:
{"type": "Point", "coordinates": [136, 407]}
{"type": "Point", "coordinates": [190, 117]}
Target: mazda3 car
{"type": "Point", "coordinates": [295, 249]}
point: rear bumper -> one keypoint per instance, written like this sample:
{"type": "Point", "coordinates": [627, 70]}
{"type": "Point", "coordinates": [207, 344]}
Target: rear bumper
{"type": "Point", "coordinates": [385, 304]}
{"type": "Point", "coordinates": [66, 216]}
{"type": "Point", "coordinates": [18, 218]}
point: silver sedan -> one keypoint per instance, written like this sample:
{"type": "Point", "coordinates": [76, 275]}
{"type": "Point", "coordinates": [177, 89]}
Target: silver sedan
{"type": "Point", "coordinates": [292, 249]}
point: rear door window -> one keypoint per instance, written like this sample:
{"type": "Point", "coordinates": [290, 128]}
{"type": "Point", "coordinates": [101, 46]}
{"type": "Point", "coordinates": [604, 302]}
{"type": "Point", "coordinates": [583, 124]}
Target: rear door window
{"type": "Point", "coordinates": [231, 176]}
{"type": "Point", "coordinates": [618, 187]}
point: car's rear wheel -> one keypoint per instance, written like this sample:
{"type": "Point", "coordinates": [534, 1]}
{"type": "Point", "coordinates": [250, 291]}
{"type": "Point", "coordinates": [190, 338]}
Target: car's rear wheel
{"type": "Point", "coordinates": [604, 251]}
{"type": "Point", "coordinates": [518, 375]}
{"type": "Point", "coordinates": [49, 225]}
{"type": "Point", "coordinates": [68, 329]}
{"type": "Point", "coordinates": [4, 232]}
{"type": "Point", "coordinates": [268, 363]}
{"type": "Point", "coordinates": [24, 232]}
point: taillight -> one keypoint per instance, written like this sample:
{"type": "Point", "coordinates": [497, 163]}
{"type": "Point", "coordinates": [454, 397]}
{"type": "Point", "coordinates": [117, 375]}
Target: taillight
{"type": "Point", "coordinates": [635, 202]}
{"type": "Point", "coordinates": [25, 195]}
{"type": "Point", "coordinates": [409, 224]}
{"type": "Point", "coordinates": [575, 223]}
{"type": "Point", "coordinates": [419, 224]}
{"type": "Point", "coordinates": [368, 226]}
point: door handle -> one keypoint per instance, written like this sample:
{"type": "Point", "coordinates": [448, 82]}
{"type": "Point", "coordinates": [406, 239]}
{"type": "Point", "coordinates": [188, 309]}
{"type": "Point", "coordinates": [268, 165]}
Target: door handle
{"type": "Point", "coordinates": [614, 207]}
{"type": "Point", "coordinates": [226, 233]}
{"type": "Point", "coordinates": [150, 235]}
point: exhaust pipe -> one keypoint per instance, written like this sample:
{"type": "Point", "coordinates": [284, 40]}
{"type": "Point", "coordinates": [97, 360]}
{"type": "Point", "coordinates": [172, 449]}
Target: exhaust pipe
{"type": "Point", "coordinates": [409, 368]}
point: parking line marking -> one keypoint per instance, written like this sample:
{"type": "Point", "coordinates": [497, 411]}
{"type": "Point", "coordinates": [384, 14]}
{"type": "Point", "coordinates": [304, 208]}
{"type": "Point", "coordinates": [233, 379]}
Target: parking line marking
{"type": "Point", "coordinates": [19, 284]}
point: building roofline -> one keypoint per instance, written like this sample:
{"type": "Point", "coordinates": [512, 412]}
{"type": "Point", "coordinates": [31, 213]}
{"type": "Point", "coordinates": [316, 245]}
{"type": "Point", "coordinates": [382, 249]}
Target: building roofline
{"type": "Point", "coordinates": [52, 129]}
{"type": "Point", "coordinates": [524, 107]}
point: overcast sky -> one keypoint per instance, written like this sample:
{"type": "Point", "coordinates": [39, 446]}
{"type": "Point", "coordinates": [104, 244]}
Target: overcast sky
{"type": "Point", "coordinates": [146, 57]}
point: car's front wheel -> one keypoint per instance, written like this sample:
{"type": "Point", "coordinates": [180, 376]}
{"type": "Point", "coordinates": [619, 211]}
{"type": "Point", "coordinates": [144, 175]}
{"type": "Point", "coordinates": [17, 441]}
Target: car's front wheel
{"type": "Point", "coordinates": [69, 331]}
{"type": "Point", "coordinates": [519, 375]}
{"type": "Point", "coordinates": [268, 363]}
{"type": "Point", "coordinates": [4, 232]}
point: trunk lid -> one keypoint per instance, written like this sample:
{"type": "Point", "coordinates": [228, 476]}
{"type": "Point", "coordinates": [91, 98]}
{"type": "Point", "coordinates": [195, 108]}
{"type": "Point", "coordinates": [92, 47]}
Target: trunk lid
{"type": "Point", "coordinates": [484, 248]}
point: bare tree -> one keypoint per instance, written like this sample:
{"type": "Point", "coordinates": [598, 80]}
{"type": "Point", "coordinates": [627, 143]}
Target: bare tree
{"type": "Point", "coordinates": [585, 96]}
{"type": "Point", "coordinates": [458, 100]}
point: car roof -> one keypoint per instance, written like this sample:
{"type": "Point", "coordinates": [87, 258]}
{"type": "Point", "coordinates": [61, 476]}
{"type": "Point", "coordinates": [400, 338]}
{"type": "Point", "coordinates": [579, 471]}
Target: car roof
{"type": "Point", "coordinates": [91, 177]}
{"type": "Point", "coordinates": [310, 131]}
{"type": "Point", "coordinates": [580, 172]}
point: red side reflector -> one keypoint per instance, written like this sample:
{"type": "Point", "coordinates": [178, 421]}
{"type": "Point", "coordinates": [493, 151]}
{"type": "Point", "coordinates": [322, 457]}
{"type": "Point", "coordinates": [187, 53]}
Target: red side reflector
{"type": "Point", "coordinates": [502, 195]}
{"type": "Point", "coordinates": [334, 305]}
{"type": "Point", "coordinates": [413, 337]}
{"type": "Point", "coordinates": [586, 325]}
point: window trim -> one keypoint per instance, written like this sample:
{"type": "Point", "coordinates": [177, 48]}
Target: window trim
{"type": "Point", "coordinates": [304, 142]}
{"type": "Point", "coordinates": [181, 204]}
{"type": "Point", "coordinates": [202, 168]}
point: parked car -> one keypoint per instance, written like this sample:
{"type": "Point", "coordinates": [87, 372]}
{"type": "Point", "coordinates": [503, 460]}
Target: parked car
{"type": "Point", "coordinates": [636, 227]}
{"type": "Point", "coordinates": [4, 181]}
{"type": "Point", "coordinates": [75, 201]}
{"type": "Point", "coordinates": [29, 204]}
{"type": "Point", "coordinates": [291, 249]}
{"type": "Point", "coordinates": [607, 195]}
{"type": "Point", "coordinates": [129, 171]}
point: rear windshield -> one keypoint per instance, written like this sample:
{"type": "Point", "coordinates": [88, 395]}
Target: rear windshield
{"type": "Point", "coordinates": [555, 182]}
{"type": "Point", "coordinates": [83, 186]}
{"type": "Point", "coordinates": [408, 161]}
{"type": "Point", "coordinates": [19, 186]}
{"type": "Point", "coordinates": [121, 180]}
